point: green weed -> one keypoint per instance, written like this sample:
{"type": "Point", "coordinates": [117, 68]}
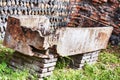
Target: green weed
{"type": "Point", "coordinates": [63, 62]}
{"type": "Point", "coordinates": [7, 73]}
{"type": "Point", "coordinates": [108, 58]}
{"type": "Point", "coordinates": [5, 53]}
{"type": "Point", "coordinates": [107, 68]}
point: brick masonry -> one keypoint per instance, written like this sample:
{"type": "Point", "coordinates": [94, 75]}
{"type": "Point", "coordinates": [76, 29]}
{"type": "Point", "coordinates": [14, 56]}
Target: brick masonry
{"type": "Point", "coordinates": [58, 14]}
{"type": "Point", "coordinates": [78, 61]}
{"type": "Point", "coordinates": [43, 67]}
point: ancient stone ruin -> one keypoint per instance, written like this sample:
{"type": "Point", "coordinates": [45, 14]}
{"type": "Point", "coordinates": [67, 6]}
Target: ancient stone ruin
{"type": "Point", "coordinates": [69, 23]}
{"type": "Point", "coordinates": [86, 12]}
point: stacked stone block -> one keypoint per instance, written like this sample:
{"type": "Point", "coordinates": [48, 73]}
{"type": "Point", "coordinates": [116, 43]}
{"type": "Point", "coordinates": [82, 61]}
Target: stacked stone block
{"type": "Point", "coordinates": [43, 67]}
{"type": "Point", "coordinates": [78, 61]}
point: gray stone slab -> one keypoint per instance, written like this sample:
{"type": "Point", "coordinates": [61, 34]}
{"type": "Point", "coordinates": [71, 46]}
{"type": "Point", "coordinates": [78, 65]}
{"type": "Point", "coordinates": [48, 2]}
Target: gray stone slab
{"type": "Point", "coordinates": [51, 68]}
{"type": "Point", "coordinates": [16, 65]}
{"type": "Point", "coordinates": [49, 60]}
{"type": "Point", "coordinates": [36, 68]}
{"type": "Point", "coordinates": [48, 65]}
{"type": "Point", "coordinates": [86, 57]}
{"type": "Point", "coordinates": [44, 74]}
{"type": "Point", "coordinates": [44, 65]}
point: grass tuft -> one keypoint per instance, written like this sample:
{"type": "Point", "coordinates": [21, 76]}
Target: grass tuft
{"type": "Point", "coordinates": [108, 58]}
{"type": "Point", "coordinates": [107, 68]}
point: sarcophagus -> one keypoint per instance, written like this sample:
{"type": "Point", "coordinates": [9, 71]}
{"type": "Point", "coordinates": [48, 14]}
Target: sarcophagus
{"type": "Point", "coordinates": [27, 33]}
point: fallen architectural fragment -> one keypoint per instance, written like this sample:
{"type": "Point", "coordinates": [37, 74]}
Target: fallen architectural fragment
{"type": "Point", "coordinates": [28, 36]}
{"type": "Point", "coordinates": [43, 30]}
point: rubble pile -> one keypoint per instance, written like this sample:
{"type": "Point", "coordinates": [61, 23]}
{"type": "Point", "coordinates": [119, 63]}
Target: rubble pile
{"type": "Point", "coordinates": [91, 12]}
{"type": "Point", "coordinates": [96, 13]}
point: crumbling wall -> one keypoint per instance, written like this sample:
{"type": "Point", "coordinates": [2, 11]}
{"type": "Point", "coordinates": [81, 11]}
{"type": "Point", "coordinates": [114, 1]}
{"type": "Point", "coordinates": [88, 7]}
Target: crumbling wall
{"type": "Point", "coordinates": [72, 13]}
{"type": "Point", "coordinates": [92, 13]}
{"type": "Point", "coordinates": [104, 12]}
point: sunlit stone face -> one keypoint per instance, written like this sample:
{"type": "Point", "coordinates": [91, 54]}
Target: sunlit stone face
{"type": "Point", "coordinates": [44, 25]}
